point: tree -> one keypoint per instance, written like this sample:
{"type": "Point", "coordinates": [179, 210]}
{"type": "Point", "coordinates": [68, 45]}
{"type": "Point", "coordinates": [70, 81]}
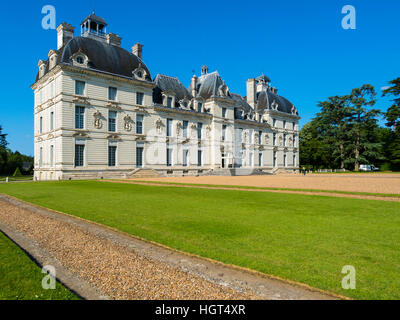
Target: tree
{"type": "Point", "coordinates": [362, 127]}
{"type": "Point", "coordinates": [332, 123]}
{"type": "Point", "coordinates": [393, 113]}
{"type": "Point", "coordinates": [313, 150]}
{"type": "Point", "coordinates": [3, 150]}
{"type": "Point", "coordinates": [392, 117]}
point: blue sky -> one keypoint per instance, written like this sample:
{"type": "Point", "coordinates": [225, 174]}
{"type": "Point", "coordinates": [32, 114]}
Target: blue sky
{"type": "Point", "coordinates": [300, 45]}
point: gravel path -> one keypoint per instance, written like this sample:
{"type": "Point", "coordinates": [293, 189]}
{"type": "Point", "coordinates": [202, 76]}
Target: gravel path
{"type": "Point", "coordinates": [372, 183]}
{"type": "Point", "coordinates": [327, 194]}
{"type": "Point", "coordinates": [119, 266]}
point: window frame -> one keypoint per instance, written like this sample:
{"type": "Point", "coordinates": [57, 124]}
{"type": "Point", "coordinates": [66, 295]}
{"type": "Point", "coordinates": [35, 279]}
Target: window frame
{"type": "Point", "coordinates": [140, 98]}
{"type": "Point", "coordinates": [139, 127]}
{"type": "Point", "coordinates": [110, 90]}
{"type": "Point", "coordinates": [76, 87]}
{"type": "Point", "coordinates": [112, 121]}
{"type": "Point", "coordinates": [114, 148]}
{"type": "Point", "coordinates": [80, 115]}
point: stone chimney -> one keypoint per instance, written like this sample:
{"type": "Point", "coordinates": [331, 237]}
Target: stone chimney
{"type": "Point", "coordinates": [251, 92]}
{"type": "Point", "coordinates": [194, 86]}
{"type": "Point", "coordinates": [65, 32]}
{"type": "Point", "coordinates": [137, 50]}
{"type": "Point", "coordinates": [114, 39]}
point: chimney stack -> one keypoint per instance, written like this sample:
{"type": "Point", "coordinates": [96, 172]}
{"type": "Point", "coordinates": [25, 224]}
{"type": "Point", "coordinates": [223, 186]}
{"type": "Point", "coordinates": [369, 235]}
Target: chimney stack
{"type": "Point", "coordinates": [137, 50]}
{"type": "Point", "coordinates": [114, 39]}
{"type": "Point", "coordinates": [194, 86]}
{"type": "Point", "coordinates": [251, 92]}
{"type": "Point", "coordinates": [65, 32]}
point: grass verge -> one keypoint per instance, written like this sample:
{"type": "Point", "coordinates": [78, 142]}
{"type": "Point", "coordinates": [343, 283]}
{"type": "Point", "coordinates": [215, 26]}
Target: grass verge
{"type": "Point", "coordinates": [304, 238]}
{"type": "Point", "coordinates": [21, 278]}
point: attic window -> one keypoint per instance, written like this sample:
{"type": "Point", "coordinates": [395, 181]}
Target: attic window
{"type": "Point", "coordinates": [140, 74]}
{"type": "Point", "coordinates": [80, 60]}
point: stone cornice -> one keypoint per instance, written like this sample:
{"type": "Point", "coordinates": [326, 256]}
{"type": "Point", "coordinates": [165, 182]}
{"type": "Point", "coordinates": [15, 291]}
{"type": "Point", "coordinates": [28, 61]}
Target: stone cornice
{"type": "Point", "coordinates": [282, 114]}
{"type": "Point", "coordinates": [253, 123]}
{"type": "Point", "coordinates": [108, 76]}
{"type": "Point", "coordinates": [180, 111]}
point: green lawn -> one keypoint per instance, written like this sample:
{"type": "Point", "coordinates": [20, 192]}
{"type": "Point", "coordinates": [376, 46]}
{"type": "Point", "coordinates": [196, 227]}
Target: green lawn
{"type": "Point", "coordinates": [21, 278]}
{"type": "Point", "coordinates": [299, 237]}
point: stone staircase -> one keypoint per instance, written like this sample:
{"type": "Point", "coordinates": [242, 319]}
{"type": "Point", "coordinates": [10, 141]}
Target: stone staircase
{"type": "Point", "coordinates": [238, 172]}
{"type": "Point", "coordinates": [143, 173]}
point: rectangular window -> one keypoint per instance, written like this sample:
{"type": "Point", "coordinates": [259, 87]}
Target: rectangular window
{"type": "Point", "coordinates": [259, 137]}
{"type": "Point", "coordinates": [274, 122]}
{"type": "Point", "coordinates": [275, 159]}
{"type": "Point", "coordinates": [40, 157]}
{"type": "Point", "coordinates": [51, 121]}
{"type": "Point", "coordinates": [260, 159]}
{"type": "Point", "coordinates": [185, 158]}
{"type": "Point", "coordinates": [112, 93]}
{"type": "Point", "coordinates": [199, 129]}
{"type": "Point", "coordinates": [294, 125]}
{"type": "Point", "coordinates": [223, 132]}
{"type": "Point", "coordinates": [51, 156]}
{"type": "Point", "coordinates": [169, 127]}
{"type": "Point", "coordinates": [79, 117]}
{"type": "Point", "coordinates": [284, 160]}
{"type": "Point", "coordinates": [112, 152]}
{"type": "Point", "coordinates": [112, 120]}
{"type": "Point", "coordinates": [79, 155]}
{"type": "Point", "coordinates": [250, 137]}
{"type": "Point", "coordinates": [284, 140]}
{"type": "Point", "coordinates": [185, 126]}
{"type": "Point", "coordinates": [199, 158]}
{"type": "Point", "coordinates": [41, 125]}
{"type": "Point", "coordinates": [139, 98]}
{"type": "Point", "coordinates": [80, 88]}
{"type": "Point", "coordinates": [223, 112]}
{"type": "Point", "coordinates": [274, 139]}
{"type": "Point", "coordinates": [294, 160]}
{"type": "Point", "coordinates": [139, 157]}
{"type": "Point", "coordinates": [169, 102]}
{"type": "Point", "coordinates": [199, 107]}
{"type": "Point", "coordinates": [169, 157]}
{"type": "Point", "coordinates": [139, 124]}
{"type": "Point", "coordinates": [284, 124]}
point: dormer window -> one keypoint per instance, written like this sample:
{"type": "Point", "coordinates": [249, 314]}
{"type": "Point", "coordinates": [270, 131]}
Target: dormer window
{"type": "Point", "coordinates": [199, 107]}
{"type": "Point", "coordinates": [42, 68]}
{"type": "Point", "coordinates": [169, 102]}
{"type": "Point", "coordinates": [79, 59]}
{"type": "Point", "coordinates": [139, 73]}
{"type": "Point", "coordinates": [52, 59]}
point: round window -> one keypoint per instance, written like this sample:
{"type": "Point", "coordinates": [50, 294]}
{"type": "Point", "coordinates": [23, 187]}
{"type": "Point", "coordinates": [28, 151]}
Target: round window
{"type": "Point", "coordinates": [79, 60]}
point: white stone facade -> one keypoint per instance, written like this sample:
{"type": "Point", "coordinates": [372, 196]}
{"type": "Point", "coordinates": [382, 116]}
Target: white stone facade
{"type": "Point", "coordinates": [75, 136]}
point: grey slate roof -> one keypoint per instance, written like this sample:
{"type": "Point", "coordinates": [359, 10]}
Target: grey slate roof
{"type": "Point", "coordinates": [166, 83]}
{"type": "Point", "coordinates": [95, 18]}
{"type": "Point", "coordinates": [102, 57]}
{"type": "Point", "coordinates": [263, 78]}
{"type": "Point", "coordinates": [265, 99]}
{"type": "Point", "coordinates": [208, 84]}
